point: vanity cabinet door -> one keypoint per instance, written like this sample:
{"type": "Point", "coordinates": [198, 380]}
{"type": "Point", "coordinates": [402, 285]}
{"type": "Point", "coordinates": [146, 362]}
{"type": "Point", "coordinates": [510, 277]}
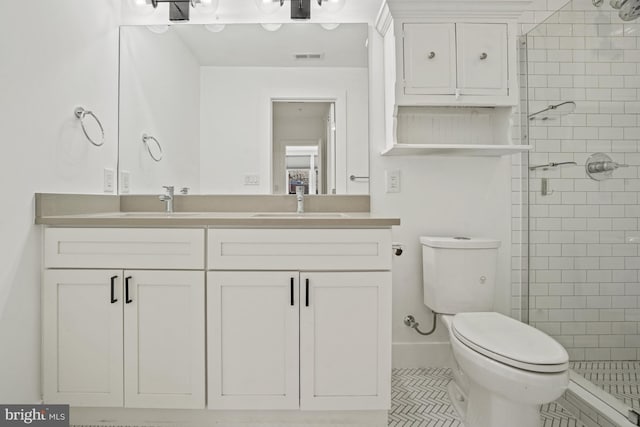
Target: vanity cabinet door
{"type": "Point", "coordinates": [82, 337]}
{"type": "Point", "coordinates": [429, 59]}
{"type": "Point", "coordinates": [482, 59]}
{"type": "Point", "coordinates": [164, 338]}
{"type": "Point", "coordinates": [345, 328]}
{"type": "Point", "coordinates": [253, 339]}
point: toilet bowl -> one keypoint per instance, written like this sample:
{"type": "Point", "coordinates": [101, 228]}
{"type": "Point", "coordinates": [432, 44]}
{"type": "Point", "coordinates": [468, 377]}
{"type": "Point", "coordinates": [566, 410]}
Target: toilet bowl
{"type": "Point", "coordinates": [508, 370]}
{"type": "Point", "coordinates": [504, 370]}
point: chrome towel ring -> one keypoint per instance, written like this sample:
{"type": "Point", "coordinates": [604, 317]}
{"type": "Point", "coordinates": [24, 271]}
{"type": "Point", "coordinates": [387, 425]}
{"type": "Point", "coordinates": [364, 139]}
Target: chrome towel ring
{"type": "Point", "coordinates": [81, 113]}
{"type": "Point", "coordinates": [145, 141]}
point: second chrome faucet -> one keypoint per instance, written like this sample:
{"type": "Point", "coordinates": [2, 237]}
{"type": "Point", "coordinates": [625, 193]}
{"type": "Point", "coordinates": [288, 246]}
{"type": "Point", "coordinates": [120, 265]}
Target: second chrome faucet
{"type": "Point", "coordinates": [300, 198]}
{"type": "Point", "coordinates": [168, 198]}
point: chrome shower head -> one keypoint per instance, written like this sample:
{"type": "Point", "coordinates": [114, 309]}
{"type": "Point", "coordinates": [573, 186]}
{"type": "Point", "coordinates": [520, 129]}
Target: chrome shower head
{"type": "Point", "coordinates": [628, 9]}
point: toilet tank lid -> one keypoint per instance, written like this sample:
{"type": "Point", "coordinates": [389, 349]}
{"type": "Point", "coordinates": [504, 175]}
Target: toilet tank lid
{"type": "Point", "coordinates": [459, 242]}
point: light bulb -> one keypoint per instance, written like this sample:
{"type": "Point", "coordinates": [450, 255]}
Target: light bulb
{"type": "Point", "coordinates": [205, 6]}
{"type": "Point", "coordinates": [330, 26]}
{"type": "Point", "coordinates": [214, 28]}
{"type": "Point", "coordinates": [271, 26]}
{"type": "Point", "coordinates": [268, 6]}
{"type": "Point", "coordinates": [140, 7]}
{"type": "Point", "coordinates": [332, 6]}
{"type": "Point", "coordinates": [158, 29]}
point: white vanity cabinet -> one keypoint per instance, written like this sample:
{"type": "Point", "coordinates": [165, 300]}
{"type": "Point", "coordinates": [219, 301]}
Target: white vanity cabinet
{"type": "Point", "coordinates": [299, 319]}
{"type": "Point", "coordinates": [120, 329]}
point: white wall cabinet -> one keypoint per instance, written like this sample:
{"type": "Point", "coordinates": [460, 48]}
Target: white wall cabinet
{"type": "Point", "coordinates": [123, 337]}
{"type": "Point", "coordinates": [455, 59]}
{"type": "Point", "coordinates": [308, 340]}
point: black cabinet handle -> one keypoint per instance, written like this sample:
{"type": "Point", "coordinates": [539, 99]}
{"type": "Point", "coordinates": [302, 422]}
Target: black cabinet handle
{"type": "Point", "coordinates": [292, 299]}
{"type": "Point", "coordinates": [126, 290]}
{"type": "Point", "coordinates": [113, 289]}
{"type": "Point", "coordinates": [306, 296]}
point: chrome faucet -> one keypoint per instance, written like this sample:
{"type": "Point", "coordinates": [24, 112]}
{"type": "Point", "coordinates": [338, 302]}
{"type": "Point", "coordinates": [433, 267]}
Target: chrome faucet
{"type": "Point", "coordinates": [167, 198]}
{"type": "Point", "coordinates": [300, 198]}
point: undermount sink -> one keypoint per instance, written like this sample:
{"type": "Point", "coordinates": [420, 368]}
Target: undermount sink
{"type": "Point", "coordinates": [300, 215]}
{"type": "Point", "coordinates": [159, 214]}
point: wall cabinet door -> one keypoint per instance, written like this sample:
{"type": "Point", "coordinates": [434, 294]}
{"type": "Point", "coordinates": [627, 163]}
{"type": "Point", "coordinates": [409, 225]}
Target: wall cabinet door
{"type": "Point", "coordinates": [345, 328]}
{"type": "Point", "coordinates": [429, 59]}
{"type": "Point", "coordinates": [82, 337]}
{"type": "Point", "coordinates": [482, 59]}
{"type": "Point", "coordinates": [462, 58]}
{"type": "Point", "coordinates": [164, 339]}
{"type": "Point", "coordinates": [253, 335]}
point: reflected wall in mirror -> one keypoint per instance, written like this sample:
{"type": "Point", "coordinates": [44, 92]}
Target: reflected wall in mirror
{"type": "Point", "coordinates": [226, 107]}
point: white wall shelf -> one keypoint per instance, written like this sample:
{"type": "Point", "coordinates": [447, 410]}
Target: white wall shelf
{"type": "Point", "coordinates": [454, 150]}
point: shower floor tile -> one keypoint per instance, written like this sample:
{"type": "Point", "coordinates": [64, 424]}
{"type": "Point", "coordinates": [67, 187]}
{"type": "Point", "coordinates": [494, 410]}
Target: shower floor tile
{"type": "Point", "coordinates": [620, 379]}
{"type": "Point", "coordinates": [419, 399]}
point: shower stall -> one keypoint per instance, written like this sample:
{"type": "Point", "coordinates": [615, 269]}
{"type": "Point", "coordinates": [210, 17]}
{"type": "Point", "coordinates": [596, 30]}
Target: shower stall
{"type": "Point", "coordinates": [581, 114]}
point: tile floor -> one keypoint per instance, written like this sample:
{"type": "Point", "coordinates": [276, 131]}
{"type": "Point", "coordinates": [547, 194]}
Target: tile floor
{"type": "Point", "coordinates": [419, 399]}
{"type": "Point", "coordinates": [620, 379]}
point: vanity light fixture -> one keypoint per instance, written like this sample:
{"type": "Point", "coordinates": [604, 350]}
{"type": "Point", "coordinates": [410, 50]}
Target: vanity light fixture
{"type": "Point", "coordinates": [300, 9]}
{"type": "Point", "coordinates": [179, 9]}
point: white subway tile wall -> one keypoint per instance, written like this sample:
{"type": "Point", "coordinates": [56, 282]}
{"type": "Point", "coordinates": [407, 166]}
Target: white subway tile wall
{"type": "Point", "coordinates": [584, 235]}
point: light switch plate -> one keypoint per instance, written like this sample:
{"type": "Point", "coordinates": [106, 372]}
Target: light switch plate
{"type": "Point", "coordinates": [108, 181]}
{"type": "Point", "coordinates": [125, 182]}
{"type": "Point", "coordinates": [392, 180]}
{"type": "Point", "coordinates": [251, 180]}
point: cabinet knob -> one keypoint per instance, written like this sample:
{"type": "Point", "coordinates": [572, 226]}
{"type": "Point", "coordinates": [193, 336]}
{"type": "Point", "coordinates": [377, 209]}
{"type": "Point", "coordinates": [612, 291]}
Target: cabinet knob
{"type": "Point", "coordinates": [483, 56]}
{"type": "Point", "coordinates": [432, 55]}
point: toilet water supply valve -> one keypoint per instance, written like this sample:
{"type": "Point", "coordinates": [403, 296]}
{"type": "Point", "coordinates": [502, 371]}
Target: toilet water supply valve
{"type": "Point", "coordinates": [410, 321]}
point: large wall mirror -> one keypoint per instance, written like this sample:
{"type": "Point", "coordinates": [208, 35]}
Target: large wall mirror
{"type": "Point", "coordinates": [239, 109]}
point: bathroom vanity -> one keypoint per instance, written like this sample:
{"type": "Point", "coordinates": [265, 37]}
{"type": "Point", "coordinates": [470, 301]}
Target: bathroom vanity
{"type": "Point", "coordinates": [217, 310]}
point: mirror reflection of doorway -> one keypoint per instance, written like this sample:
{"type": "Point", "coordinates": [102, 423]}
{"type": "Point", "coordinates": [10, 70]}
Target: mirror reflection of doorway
{"type": "Point", "coordinates": [303, 146]}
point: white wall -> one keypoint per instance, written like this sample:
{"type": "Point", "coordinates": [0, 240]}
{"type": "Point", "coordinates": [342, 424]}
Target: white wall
{"type": "Point", "coordinates": [55, 56]}
{"type": "Point", "coordinates": [439, 196]}
{"type": "Point", "coordinates": [236, 122]}
{"type": "Point", "coordinates": [159, 96]}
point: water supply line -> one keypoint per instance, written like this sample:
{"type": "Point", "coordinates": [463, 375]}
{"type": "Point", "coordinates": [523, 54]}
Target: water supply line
{"type": "Point", "coordinates": [410, 321]}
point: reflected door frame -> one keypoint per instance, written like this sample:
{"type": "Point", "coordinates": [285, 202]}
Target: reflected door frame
{"type": "Point", "coordinates": [339, 100]}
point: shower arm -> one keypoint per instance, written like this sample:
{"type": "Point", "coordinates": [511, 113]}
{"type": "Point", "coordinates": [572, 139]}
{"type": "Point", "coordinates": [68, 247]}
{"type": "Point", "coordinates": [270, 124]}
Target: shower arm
{"type": "Point", "coordinates": [552, 165]}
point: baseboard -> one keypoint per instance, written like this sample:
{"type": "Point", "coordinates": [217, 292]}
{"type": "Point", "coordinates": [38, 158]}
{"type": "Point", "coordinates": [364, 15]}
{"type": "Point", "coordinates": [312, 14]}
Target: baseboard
{"type": "Point", "coordinates": [421, 355]}
{"type": "Point", "coordinates": [94, 417]}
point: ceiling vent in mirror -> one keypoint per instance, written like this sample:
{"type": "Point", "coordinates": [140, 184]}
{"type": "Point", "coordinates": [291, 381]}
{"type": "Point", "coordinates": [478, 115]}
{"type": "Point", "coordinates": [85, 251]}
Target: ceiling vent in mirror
{"type": "Point", "coordinates": [308, 56]}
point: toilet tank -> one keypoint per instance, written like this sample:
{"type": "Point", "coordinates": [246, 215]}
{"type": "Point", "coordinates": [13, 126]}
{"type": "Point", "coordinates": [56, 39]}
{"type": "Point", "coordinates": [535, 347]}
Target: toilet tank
{"type": "Point", "coordinates": [459, 273]}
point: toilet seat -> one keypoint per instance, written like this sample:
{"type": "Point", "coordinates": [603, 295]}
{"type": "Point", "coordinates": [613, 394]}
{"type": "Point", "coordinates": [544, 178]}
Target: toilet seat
{"type": "Point", "coordinates": [510, 342]}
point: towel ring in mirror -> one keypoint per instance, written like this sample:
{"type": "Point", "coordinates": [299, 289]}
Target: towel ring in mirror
{"type": "Point", "coordinates": [81, 113]}
{"type": "Point", "coordinates": [145, 140]}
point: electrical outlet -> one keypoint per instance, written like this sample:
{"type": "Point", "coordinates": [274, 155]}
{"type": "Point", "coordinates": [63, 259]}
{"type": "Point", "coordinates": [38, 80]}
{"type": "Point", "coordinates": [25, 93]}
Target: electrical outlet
{"type": "Point", "coordinates": [392, 179]}
{"type": "Point", "coordinates": [251, 180]}
{"type": "Point", "coordinates": [108, 181]}
{"type": "Point", "coordinates": [125, 182]}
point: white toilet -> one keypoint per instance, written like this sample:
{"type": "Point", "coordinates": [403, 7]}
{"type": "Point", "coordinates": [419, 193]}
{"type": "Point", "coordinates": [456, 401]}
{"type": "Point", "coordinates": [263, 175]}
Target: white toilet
{"type": "Point", "coordinates": [504, 370]}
